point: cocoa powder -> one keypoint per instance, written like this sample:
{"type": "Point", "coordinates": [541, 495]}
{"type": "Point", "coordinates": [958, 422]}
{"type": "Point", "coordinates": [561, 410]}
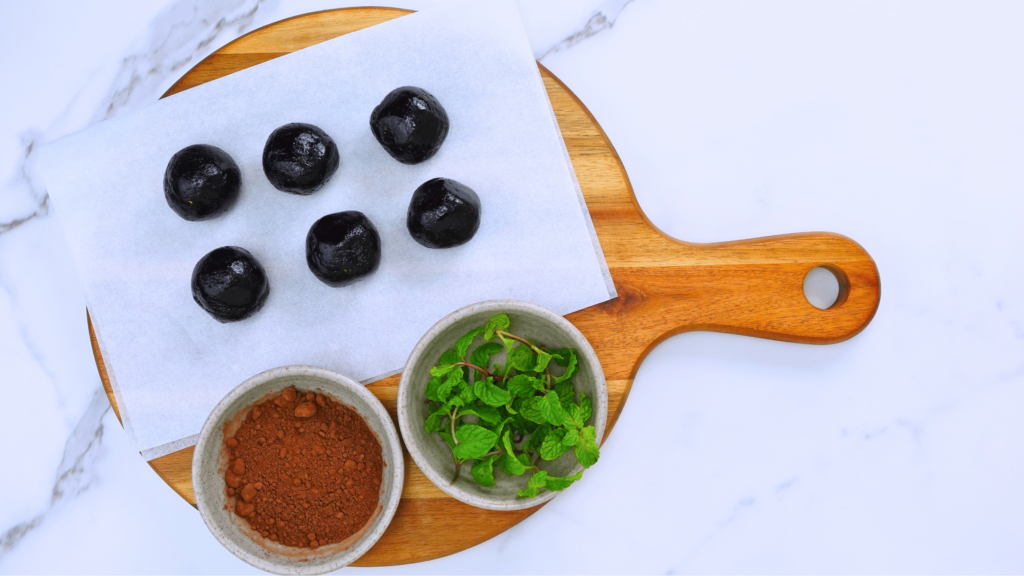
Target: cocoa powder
{"type": "Point", "coordinates": [304, 470]}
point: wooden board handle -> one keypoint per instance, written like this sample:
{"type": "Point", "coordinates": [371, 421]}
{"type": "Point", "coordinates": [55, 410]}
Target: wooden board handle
{"type": "Point", "coordinates": [762, 293]}
{"type": "Point", "coordinates": [752, 287]}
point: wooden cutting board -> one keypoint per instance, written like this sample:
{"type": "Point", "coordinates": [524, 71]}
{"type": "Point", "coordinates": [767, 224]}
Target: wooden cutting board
{"type": "Point", "coordinates": [665, 286]}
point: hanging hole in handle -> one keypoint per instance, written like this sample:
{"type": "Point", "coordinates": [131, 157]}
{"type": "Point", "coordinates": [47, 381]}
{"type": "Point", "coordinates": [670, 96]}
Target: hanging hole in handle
{"type": "Point", "coordinates": [826, 286]}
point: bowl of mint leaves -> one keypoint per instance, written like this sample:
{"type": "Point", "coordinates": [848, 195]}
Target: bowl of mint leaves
{"type": "Point", "coordinates": [503, 405]}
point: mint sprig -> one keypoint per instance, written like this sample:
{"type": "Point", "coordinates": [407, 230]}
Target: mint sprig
{"type": "Point", "coordinates": [512, 418]}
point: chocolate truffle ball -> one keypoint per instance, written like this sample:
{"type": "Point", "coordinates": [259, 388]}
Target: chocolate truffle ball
{"type": "Point", "coordinates": [201, 182]}
{"type": "Point", "coordinates": [230, 284]}
{"type": "Point", "coordinates": [342, 248]}
{"type": "Point", "coordinates": [299, 158]}
{"type": "Point", "coordinates": [443, 213]}
{"type": "Point", "coordinates": [410, 124]}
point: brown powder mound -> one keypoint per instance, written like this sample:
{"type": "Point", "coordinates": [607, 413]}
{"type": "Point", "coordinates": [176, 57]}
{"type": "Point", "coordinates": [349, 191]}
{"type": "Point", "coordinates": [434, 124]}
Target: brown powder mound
{"type": "Point", "coordinates": [303, 470]}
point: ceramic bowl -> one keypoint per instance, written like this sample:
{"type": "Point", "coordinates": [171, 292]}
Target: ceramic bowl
{"type": "Point", "coordinates": [209, 463]}
{"type": "Point", "coordinates": [432, 454]}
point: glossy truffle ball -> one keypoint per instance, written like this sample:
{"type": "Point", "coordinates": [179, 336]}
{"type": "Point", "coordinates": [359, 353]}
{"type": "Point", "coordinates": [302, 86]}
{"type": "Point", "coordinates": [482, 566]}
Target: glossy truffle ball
{"type": "Point", "coordinates": [299, 158]}
{"type": "Point", "coordinates": [443, 213]}
{"type": "Point", "coordinates": [201, 182]}
{"type": "Point", "coordinates": [410, 124]}
{"type": "Point", "coordinates": [229, 284]}
{"type": "Point", "coordinates": [342, 248]}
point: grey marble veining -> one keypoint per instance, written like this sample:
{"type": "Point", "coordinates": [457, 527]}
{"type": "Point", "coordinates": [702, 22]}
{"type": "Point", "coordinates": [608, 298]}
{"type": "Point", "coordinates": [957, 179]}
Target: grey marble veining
{"type": "Point", "coordinates": [178, 39]}
{"type": "Point", "coordinates": [602, 19]}
{"type": "Point", "coordinates": [26, 186]}
{"type": "Point", "coordinates": [77, 467]}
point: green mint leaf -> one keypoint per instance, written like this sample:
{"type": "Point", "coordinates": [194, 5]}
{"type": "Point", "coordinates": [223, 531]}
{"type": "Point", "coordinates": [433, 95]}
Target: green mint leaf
{"type": "Point", "coordinates": [506, 441]}
{"type": "Point", "coordinates": [537, 438]}
{"type": "Point", "coordinates": [528, 492]}
{"type": "Point", "coordinates": [514, 406]}
{"type": "Point", "coordinates": [456, 401]}
{"type": "Point", "coordinates": [524, 385]}
{"type": "Point", "coordinates": [524, 460]}
{"type": "Point", "coordinates": [451, 381]}
{"type": "Point", "coordinates": [447, 438]}
{"type": "Point", "coordinates": [484, 413]}
{"type": "Point", "coordinates": [561, 356]}
{"type": "Point", "coordinates": [488, 414]}
{"type": "Point", "coordinates": [432, 389]}
{"type": "Point", "coordinates": [457, 376]}
{"type": "Point", "coordinates": [462, 346]}
{"type": "Point", "coordinates": [553, 447]}
{"type": "Point", "coordinates": [490, 394]}
{"type": "Point", "coordinates": [566, 394]}
{"type": "Point", "coordinates": [587, 452]}
{"type": "Point", "coordinates": [508, 342]}
{"type": "Point", "coordinates": [530, 410]}
{"type": "Point", "coordinates": [542, 361]}
{"type": "Point", "coordinates": [433, 422]}
{"type": "Point", "coordinates": [438, 371]}
{"type": "Point", "coordinates": [498, 429]}
{"type": "Point", "coordinates": [572, 437]}
{"type": "Point", "coordinates": [508, 462]}
{"type": "Point", "coordinates": [558, 483]}
{"type": "Point", "coordinates": [524, 426]}
{"type": "Point", "coordinates": [586, 408]}
{"type": "Point", "coordinates": [574, 418]}
{"type": "Point", "coordinates": [589, 433]}
{"type": "Point", "coordinates": [551, 408]}
{"type": "Point", "coordinates": [444, 390]}
{"type": "Point", "coordinates": [482, 355]}
{"type": "Point", "coordinates": [499, 322]}
{"type": "Point", "coordinates": [510, 465]}
{"type": "Point", "coordinates": [522, 358]}
{"type": "Point", "coordinates": [466, 393]}
{"type": "Point", "coordinates": [570, 371]}
{"type": "Point", "coordinates": [538, 480]}
{"type": "Point", "coordinates": [450, 356]}
{"type": "Point", "coordinates": [483, 471]}
{"type": "Point", "coordinates": [474, 441]}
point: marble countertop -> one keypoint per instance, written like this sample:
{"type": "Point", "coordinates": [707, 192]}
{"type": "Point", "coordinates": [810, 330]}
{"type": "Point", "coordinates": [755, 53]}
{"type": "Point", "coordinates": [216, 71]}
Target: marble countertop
{"type": "Point", "coordinates": [898, 124]}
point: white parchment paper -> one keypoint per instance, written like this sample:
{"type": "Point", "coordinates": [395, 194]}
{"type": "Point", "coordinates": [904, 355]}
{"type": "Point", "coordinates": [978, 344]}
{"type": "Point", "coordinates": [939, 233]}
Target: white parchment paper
{"type": "Point", "coordinates": [170, 362]}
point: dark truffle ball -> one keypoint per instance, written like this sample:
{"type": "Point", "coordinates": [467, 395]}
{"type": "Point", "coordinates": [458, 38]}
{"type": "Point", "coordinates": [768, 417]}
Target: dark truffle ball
{"type": "Point", "coordinates": [342, 248]}
{"type": "Point", "coordinates": [201, 182]}
{"type": "Point", "coordinates": [410, 124]}
{"type": "Point", "coordinates": [299, 158]}
{"type": "Point", "coordinates": [443, 213]}
{"type": "Point", "coordinates": [230, 284]}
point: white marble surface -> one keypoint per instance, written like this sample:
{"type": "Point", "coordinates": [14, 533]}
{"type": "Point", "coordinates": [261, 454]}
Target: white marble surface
{"type": "Point", "coordinates": [901, 450]}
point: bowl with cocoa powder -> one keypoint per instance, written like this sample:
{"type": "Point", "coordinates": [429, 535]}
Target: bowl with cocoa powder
{"type": "Point", "coordinates": [298, 470]}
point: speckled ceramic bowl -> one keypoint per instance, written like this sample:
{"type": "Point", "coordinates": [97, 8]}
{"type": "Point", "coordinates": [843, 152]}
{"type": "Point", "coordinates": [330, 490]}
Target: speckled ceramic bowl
{"type": "Point", "coordinates": [430, 452]}
{"type": "Point", "coordinates": [209, 463]}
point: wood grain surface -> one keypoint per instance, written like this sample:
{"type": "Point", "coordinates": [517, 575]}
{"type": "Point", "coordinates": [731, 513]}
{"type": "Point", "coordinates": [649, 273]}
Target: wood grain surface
{"type": "Point", "coordinates": [665, 286]}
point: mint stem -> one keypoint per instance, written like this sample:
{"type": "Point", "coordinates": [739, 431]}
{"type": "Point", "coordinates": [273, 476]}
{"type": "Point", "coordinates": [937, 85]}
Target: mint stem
{"type": "Point", "coordinates": [523, 340]}
{"type": "Point", "coordinates": [454, 414]}
{"type": "Point", "coordinates": [458, 468]}
{"type": "Point", "coordinates": [474, 367]}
